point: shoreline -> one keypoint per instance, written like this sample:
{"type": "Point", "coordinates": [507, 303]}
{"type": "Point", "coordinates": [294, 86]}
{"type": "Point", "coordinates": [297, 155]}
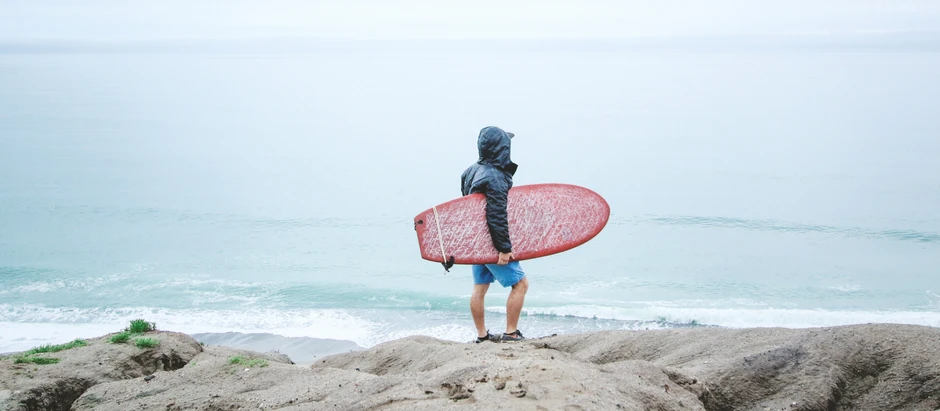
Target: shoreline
{"type": "Point", "coordinates": [302, 351]}
{"type": "Point", "coordinates": [870, 366]}
{"type": "Point", "coordinates": [453, 326]}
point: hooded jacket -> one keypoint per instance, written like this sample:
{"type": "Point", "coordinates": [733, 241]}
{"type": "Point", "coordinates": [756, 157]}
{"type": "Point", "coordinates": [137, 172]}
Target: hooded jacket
{"type": "Point", "coordinates": [492, 176]}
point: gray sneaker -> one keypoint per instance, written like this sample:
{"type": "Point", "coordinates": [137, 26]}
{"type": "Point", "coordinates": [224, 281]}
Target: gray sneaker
{"type": "Point", "coordinates": [489, 337]}
{"type": "Point", "coordinates": [513, 336]}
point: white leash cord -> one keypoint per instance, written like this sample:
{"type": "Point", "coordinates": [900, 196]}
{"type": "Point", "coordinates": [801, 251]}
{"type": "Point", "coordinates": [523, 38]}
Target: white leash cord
{"type": "Point", "coordinates": [440, 236]}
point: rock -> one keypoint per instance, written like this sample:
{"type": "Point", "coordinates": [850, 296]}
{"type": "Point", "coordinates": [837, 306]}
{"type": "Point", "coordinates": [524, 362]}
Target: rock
{"type": "Point", "coordinates": [856, 367]}
{"type": "Point", "coordinates": [57, 386]}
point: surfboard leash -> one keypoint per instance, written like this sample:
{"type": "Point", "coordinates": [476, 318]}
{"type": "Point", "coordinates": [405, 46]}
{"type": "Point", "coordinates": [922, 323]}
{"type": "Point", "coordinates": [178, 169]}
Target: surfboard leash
{"type": "Point", "coordinates": [446, 262]}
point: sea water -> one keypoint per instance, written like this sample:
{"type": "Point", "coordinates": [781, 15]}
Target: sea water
{"type": "Point", "coordinates": [271, 192]}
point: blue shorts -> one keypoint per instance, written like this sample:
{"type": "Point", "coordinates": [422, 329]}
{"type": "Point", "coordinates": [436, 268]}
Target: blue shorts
{"type": "Point", "coordinates": [507, 275]}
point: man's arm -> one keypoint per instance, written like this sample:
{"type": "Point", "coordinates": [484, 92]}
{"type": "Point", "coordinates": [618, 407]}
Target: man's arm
{"type": "Point", "coordinates": [497, 219]}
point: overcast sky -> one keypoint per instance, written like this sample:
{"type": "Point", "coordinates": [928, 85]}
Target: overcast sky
{"type": "Point", "coordinates": [437, 19]}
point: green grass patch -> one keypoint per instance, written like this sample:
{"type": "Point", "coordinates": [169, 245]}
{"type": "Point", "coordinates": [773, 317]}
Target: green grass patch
{"type": "Point", "coordinates": [248, 361]}
{"type": "Point", "coordinates": [55, 348]}
{"type": "Point", "coordinates": [146, 342]}
{"type": "Point", "coordinates": [36, 360]}
{"type": "Point", "coordinates": [120, 338]}
{"type": "Point", "coordinates": [140, 326]}
{"type": "Point", "coordinates": [28, 356]}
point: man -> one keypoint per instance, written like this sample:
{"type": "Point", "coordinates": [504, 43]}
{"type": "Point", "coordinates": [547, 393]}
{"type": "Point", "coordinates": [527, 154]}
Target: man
{"type": "Point", "coordinates": [492, 176]}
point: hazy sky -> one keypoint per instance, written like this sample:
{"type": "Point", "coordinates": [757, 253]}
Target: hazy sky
{"type": "Point", "coordinates": [434, 19]}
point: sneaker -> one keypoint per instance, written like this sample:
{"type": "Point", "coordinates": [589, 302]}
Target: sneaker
{"type": "Point", "coordinates": [489, 337]}
{"type": "Point", "coordinates": [513, 336]}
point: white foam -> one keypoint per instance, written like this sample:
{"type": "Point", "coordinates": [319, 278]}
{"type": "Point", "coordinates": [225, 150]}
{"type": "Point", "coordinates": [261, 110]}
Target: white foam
{"type": "Point", "coordinates": [934, 299]}
{"type": "Point", "coordinates": [189, 282]}
{"type": "Point", "coordinates": [53, 285]}
{"type": "Point", "coordinates": [738, 317]}
{"type": "Point", "coordinates": [847, 288]}
{"type": "Point", "coordinates": [26, 325]}
{"type": "Point", "coordinates": [211, 297]}
{"type": "Point", "coordinates": [31, 324]}
{"type": "Point", "coordinates": [23, 336]}
{"type": "Point", "coordinates": [39, 287]}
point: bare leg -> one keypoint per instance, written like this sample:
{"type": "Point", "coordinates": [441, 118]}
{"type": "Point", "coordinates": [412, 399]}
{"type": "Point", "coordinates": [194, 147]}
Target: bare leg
{"type": "Point", "coordinates": [514, 304]}
{"type": "Point", "coordinates": [476, 307]}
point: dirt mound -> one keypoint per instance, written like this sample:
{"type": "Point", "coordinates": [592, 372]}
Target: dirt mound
{"type": "Point", "coordinates": [29, 386]}
{"type": "Point", "coordinates": [877, 367]}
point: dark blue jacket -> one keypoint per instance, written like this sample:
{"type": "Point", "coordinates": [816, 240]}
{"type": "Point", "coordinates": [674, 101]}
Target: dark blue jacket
{"type": "Point", "coordinates": [492, 176]}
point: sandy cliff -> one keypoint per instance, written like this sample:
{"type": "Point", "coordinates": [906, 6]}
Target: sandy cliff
{"type": "Point", "coordinates": [876, 367]}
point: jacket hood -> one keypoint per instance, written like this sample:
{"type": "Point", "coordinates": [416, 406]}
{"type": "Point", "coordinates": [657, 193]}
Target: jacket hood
{"type": "Point", "coordinates": [495, 145]}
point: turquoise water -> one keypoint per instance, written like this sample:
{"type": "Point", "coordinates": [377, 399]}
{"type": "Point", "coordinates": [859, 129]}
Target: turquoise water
{"type": "Point", "coordinates": [272, 192]}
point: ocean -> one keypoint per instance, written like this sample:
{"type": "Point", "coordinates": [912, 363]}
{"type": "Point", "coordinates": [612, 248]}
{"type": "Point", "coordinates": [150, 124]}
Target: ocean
{"type": "Point", "coordinates": [267, 193]}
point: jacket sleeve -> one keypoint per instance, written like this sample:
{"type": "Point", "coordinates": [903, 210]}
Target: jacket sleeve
{"type": "Point", "coordinates": [497, 217]}
{"type": "Point", "coordinates": [464, 186]}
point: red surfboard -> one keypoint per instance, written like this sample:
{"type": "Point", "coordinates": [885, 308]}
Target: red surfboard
{"type": "Point", "coordinates": [544, 219]}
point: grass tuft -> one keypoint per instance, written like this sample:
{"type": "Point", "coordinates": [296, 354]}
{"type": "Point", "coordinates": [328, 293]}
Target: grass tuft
{"type": "Point", "coordinates": [120, 338]}
{"type": "Point", "coordinates": [36, 360]}
{"type": "Point", "coordinates": [55, 348]}
{"type": "Point", "coordinates": [27, 357]}
{"type": "Point", "coordinates": [140, 326]}
{"type": "Point", "coordinates": [248, 362]}
{"type": "Point", "coordinates": [146, 342]}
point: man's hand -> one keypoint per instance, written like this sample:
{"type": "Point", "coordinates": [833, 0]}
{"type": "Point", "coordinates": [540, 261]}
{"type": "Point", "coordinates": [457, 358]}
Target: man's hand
{"type": "Point", "coordinates": [504, 258]}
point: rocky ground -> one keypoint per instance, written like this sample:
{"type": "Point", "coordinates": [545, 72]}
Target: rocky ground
{"type": "Point", "coordinates": [57, 386]}
{"type": "Point", "coordinates": [864, 367]}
